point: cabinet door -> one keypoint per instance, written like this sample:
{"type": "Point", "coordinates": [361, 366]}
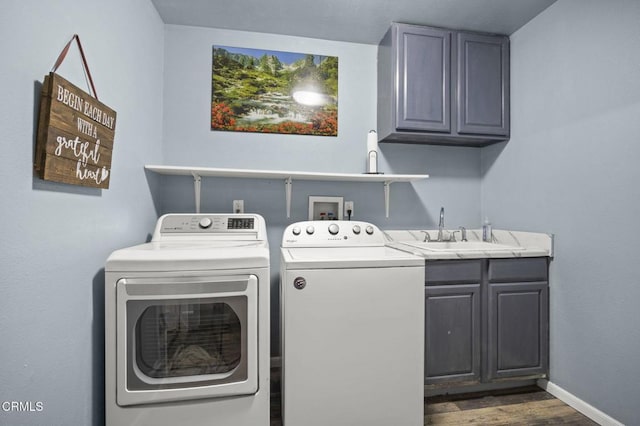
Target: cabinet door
{"type": "Point", "coordinates": [423, 76]}
{"type": "Point", "coordinates": [483, 84]}
{"type": "Point", "coordinates": [518, 332]}
{"type": "Point", "coordinates": [452, 333]}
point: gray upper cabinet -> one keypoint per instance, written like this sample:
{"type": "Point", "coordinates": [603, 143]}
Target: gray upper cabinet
{"type": "Point", "coordinates": [483, 84]}
{"type": "Point", "coordinates": [440, 86]}
{"type": "Point", "coordinates": [422, 103]}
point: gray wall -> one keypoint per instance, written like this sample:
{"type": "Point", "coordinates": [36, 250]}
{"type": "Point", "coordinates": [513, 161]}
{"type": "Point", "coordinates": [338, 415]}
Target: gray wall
{"type": "Point", "coordinates": [188, 140]}
{"type": "Point", "coordinates": [56, 238]}
{"type": "Point", "coordinates": [571, 168]}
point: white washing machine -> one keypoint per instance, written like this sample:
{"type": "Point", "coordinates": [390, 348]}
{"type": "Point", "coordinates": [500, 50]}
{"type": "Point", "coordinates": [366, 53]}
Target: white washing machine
{"type": "Point", "coordinates": [352, 328]}
{"type": "Point", "coordinates": [187, 324]}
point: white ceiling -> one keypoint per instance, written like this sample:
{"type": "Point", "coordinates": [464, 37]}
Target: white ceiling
{"type": "Point", "coordinates": [358, 21]}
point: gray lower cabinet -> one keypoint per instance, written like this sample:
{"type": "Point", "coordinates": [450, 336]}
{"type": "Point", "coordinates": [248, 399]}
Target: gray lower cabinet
{"type": "Point", "coordinates": [517, 318]}
{"type": "Point", "coordinates": [440, 86]}
{"type": "Point", "coordinates": [452, 325]}
{"type": "Point", "coordinates": [485, 320]}
{"type": "Point", "coordinates": [453, 321]}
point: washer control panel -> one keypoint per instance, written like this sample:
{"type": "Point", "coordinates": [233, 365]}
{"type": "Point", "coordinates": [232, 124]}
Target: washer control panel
{"type": "Point", "coordinates": [323, 233]}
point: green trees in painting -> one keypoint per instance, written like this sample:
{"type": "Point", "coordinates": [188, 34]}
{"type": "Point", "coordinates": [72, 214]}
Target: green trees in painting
{"type": "Point", "coordinates": [253, 93]}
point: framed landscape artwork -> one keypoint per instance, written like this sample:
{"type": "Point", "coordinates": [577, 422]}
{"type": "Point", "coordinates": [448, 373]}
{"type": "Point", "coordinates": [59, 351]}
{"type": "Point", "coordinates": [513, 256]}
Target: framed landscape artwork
{"type": "Point", "coordinates": [268, 91]}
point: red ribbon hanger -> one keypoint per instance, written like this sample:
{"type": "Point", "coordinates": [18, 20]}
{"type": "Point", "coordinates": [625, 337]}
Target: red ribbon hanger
{"type": "Point", "coordinates": [63, 55]}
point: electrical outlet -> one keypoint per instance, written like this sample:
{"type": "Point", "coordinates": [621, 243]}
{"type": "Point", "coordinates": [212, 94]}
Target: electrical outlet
{"type": "Point", "coordinates": [238, 206]}
{"type": "Point", "coordinates": [348, 206]}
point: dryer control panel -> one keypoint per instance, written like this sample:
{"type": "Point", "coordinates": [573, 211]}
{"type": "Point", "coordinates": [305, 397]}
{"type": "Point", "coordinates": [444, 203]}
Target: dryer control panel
{"type": "Point", "coordinates": [218, 225]}
{"type": "Point", "coordinates": [338, 233]}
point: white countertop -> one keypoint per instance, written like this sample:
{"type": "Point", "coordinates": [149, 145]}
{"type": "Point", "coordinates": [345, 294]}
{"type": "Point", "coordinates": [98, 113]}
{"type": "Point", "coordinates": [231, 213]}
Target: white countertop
{"type": "Point", "coordinates": [504, 244]}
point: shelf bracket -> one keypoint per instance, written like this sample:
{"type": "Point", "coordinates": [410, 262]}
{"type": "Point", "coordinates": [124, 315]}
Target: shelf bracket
{"type": "Point", "coordinates": [197, 186]}
{"type": "Point", "coordinates": [288, 183]}
{"type": "Point", "coordinates": [387, 193]}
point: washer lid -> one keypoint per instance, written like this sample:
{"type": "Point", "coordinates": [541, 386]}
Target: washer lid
{"type": "Point", "coordinates": [347, 257]}
{"type": "Point", "coordinates": [190, 256]}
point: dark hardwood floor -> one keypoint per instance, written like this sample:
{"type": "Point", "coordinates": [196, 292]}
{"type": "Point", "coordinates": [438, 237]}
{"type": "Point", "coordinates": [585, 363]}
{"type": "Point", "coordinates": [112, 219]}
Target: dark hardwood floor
{"type": "Point", "coordinates": [529, 406]}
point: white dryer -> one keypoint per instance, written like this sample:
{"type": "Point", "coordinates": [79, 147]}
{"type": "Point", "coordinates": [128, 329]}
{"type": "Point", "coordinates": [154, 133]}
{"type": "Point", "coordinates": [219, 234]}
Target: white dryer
{"type": "Point", "coordinates": [187, 324]}
{"type": "Point", "coordinates": [352, 327]}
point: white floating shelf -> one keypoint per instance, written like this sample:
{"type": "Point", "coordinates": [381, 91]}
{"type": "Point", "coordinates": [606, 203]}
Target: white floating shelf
{"type": "Point", "coordinates": [288, 176]}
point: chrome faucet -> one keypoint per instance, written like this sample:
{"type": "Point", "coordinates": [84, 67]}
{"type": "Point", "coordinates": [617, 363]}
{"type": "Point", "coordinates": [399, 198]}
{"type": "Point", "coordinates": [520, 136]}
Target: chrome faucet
{"type": "Point", "coordinates": [441, 224]}
{"type": "Point", "coordinates": [427, 237]}
{"type": "Point", "coordinates": [463, 233]}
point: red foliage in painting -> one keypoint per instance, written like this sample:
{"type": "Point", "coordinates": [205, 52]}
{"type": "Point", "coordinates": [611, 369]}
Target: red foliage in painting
{"type": "Point", "coordinates": [325, 123]}
{"type": "Point", "coordinates": [222, 117]}
{"type": "Point", "coordinates": [291, 127]}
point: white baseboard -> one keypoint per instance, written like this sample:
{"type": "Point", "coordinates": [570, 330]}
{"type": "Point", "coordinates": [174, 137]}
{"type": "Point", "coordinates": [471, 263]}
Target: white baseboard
{"type": "Point", "coordinates": [570, 399]}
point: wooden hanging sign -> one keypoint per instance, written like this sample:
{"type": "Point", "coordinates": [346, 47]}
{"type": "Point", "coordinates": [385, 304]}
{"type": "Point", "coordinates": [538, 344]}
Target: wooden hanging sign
{"type": "Point", "coordinates": [75, 134]}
